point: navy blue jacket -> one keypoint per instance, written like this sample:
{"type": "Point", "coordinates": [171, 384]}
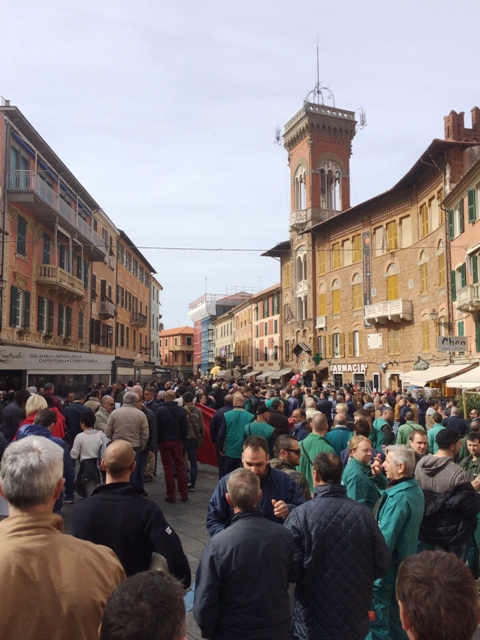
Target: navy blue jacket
{"type": "Point", "coordinates": [339, 552]}
{"type": "Point", "coordinates": [172, 422]}
{"type": "Point", "coordinates": [275, 485]}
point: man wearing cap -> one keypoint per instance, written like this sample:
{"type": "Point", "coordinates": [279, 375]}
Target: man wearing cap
{"type": "Point", "coordinates": [451, 499]}
{"type": "Point", "coordinates": [260, 427]}
{"type": "Point", "coordinates": [230, 437]}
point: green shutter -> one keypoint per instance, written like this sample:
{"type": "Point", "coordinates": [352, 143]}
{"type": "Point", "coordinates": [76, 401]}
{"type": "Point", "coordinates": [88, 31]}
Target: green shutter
{"type": "Point", "coordinates": [69, 322]}
{"type": "Point", "coordinates": [453, 286]}
{"type": "Point", "coordinates": [461, 328]}
{"type": "Point", "coordinates": [451, 226]}
{"type": "Point", "coordinates": [41, 314]}
{"type": "Point", "coordinates": [461, 221]}
{"type": "Point", "coordinates": [60, 319]}
{"type": "Point", "coordinates": [13, 306]}
{"type": "Point", "coordinates": [463, 274]}
{"type": "Point", "coordinates": [472, 213]}
{"type": "Point", "coordinates": [51, 315]}
{"type": "Point", "coordinates": [26, 310]}
{"type": "Point", "coordinates": [477, 333]}
{"type": "Point", "coordinates": [475, 268]}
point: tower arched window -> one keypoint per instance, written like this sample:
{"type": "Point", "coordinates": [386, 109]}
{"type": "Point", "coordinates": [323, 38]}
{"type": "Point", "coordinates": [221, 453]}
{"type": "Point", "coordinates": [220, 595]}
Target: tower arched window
{"type": "Point", "coordinates": [330, 186]}
{"type": "Point", "coordinates": [300, 189]}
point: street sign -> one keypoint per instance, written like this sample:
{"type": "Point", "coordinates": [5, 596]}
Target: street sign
{"type": "Point", "coordinates": [453, 343]}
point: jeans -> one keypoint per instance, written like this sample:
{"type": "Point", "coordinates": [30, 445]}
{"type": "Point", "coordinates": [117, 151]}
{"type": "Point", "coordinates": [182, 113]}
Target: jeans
{"type": "Point", "coordinates": [190, 448]}
{"type": "Point", "coordinates": [171, 452]}
{"type": "Point", "coordinates": [231, 464]}
{"type": "Point", "coordinates": [140, 462]}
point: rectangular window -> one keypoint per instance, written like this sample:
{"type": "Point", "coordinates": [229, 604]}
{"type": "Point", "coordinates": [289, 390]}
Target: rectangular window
{"type": "Point", "coordinates": [265, 328]}
{"type": "Point", "coordinates": [451, 224]}
{"type": "Point", "coordinates": [19, 308]}
{"type": "Point", "coordinates": [336, 301]}
{"type": "Point", "coordinates": [394, 342]}
{"type": "Point", "coordinates": [46, 249]}
{"type": "Point", "coordinates": [349, 345]}
{"type": "Point", "coordinates": [424, 278]}
{"type": "Point", "coordinates": [338, 345]}
{"type": "Point", "coordinates": [357, 296]}
{"type": "Point", "coordinates": [453, 285]}
{"type": "Point", "coordinates": [441, 212]}
{"type": "Point", "coordinates": [426, 335]}
{"type": "Point", "coordinates": [287, 349]}
{"type": "Point", "coordinates": [392, 287]}
{"type": "Point", "coordinates": [286, 274]}
{"type": "Point", "coordinates": [405, 232]}
{"type": "Point", "coordinates": [357, 248]}
{"type": "Point", "coordinates": [266, 309]}
{"type": "Point", "coordinates": [81, 321]}
{"type": "Point", "coordinates": [22, 236]}
{"type": "Point", "coordinates": [321, 262]}
{"type": "Point", "coordinates": [441, 270]}
{"type": "Point", "coordinates": [475, 268]}
{"type": "Point", "coordinates": [392, 235]}
{"type": "Point", "coordinates": [347, 252]}
{"type": "Point", "coordinates": [127, 337]}
{"type": "Point", "coordinates": [460, 218]}
{"type": "Point", "coordinates": [63, 257]}
{"type": "Point", "coordinates": [275, 326]}
{"type": "Point", "coordinates": [336, 256]}
{"type": "Point", "coordinates": [42, 311]}
{"type": "Point", "coordinates": [472, 209]}
{"type": "Point", "coordinates": [322, 304]}
{"type": "Point", "coordinates": [188, 357]}
{"type": "Point", "coordinates": [463, 275]}
{"type": "Point", "coordinates": [423, 221]}
{"type": "Point", "coordinates": [357, 343]}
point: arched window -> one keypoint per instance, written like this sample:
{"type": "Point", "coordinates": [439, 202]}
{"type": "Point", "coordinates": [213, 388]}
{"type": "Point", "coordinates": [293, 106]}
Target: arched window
{"type": "Point", "coordinates": [392, 282]}
{"type": "Point", "coordinates": [300, 189]}
{"type": "Point", "coordinates": [423, 273]}
{"type": "Point", "coordinates": [330, 186]}
{"type": "Point", "coordinates": [335, 297]}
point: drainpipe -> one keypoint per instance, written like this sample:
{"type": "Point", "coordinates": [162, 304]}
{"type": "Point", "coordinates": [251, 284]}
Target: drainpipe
{"type": "Point", "coordinates": [3, 231]}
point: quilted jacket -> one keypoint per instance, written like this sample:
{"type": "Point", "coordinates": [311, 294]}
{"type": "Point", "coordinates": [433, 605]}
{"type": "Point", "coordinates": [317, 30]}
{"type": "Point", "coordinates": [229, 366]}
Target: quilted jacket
{"type": "Point", "coordinates": [339, 552]}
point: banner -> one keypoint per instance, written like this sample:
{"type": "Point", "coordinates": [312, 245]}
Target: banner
{"type": "Point", "coordinates": [207, 453]}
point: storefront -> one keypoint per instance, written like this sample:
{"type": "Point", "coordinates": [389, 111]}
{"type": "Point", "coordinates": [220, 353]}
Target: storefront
{"type": "Point", "coordinates": [434, 380]}
{"type": "Point", "coordinates": [341, 374]}
{"type": "Point", "coordinates": [67, 370]}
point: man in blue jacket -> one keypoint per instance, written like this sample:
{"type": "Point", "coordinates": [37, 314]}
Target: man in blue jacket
{"type": "Point", "coordinates": [280, 494]}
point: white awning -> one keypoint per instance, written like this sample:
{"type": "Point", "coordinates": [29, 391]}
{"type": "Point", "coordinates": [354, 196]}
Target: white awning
{"type": "Point", "coordinates": [421, 378]}
{"type": "Point", "coordinates": [251, 373]}
{"type": "Point", "coordinates": [263, 376]}
{"type": "Point", "coordinates": [276, 375]}
{"type": "Point", "coordinates": [468, 380]}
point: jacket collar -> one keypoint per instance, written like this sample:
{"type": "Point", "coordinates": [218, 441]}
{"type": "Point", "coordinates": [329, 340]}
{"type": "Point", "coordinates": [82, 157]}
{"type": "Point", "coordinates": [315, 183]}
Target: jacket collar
{"type": "Point", "coordinates": [242, 515]}
{"type": "Point", "coordinates": [401, 485]}
{"type": "Point", "coordinates": [330, 491]}
{"type": "Point", "coordinates": [119, 489]}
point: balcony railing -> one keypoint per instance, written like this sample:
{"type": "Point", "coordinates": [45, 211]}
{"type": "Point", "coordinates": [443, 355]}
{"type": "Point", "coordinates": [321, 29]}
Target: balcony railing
{"type": "Point", "coordinates": [468, 298]}
{"type": "Point", "coordinates": [30, 182]}
{"type": "Point", "coordinates": [107, 309]}
{"type": "Point", "coordinates": [393, 310]}
{"type": "Point", "coordinates": [59, 279]}
{"type": "Point", "coordinates": [139, 319]}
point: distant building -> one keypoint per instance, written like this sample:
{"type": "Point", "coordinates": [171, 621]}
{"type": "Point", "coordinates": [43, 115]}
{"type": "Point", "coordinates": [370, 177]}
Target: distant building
{"type": "Point", "coordinates": [176, 351]}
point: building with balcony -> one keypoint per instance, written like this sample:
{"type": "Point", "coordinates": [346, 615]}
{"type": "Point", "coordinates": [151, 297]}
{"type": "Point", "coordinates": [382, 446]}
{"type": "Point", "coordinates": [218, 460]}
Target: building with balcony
{"type": "Point", "coordinates": [266, 332]}
{"type": "Point", "coordinates": [155, 317]}
{"type": "Point", "coordinates": [224, 344]}
{"type": "Point", "coordinates": [49, 245]}
{"type": "Point", "coordinates": [365, 292]}
{"type": "Point", "coordinates": [176, 350]}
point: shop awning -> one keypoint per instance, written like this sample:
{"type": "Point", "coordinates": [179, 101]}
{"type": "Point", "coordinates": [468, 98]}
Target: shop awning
{"type": "Point", "coordinates": [276, 375]}
{"type": "Point", "coordinates": [421, 378]}
{"type": "Point", "coordinates": [301, 346]}
{"type": "Point", "coordinates": [263, 376]}
{"type": "Point", "coordinates": [468, 380]}
{"type": "Point", "coordinates": [251, 373]}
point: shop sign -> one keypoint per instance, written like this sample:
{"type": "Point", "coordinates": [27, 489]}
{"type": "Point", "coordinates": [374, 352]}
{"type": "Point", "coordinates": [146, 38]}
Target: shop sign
{"type": "Point", "coordinates": [44, 360]}
{"type": "Point", "coordinates": [348, 368]}
{"type": "Point", "coordinates": [452, 343]}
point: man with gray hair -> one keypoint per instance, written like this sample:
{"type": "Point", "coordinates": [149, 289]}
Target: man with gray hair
{"type": "Point", "coordinates": [130, 423]}
{"type": "Point", "coordinates": [242, 582]}
{"type": "Point", "coordinates": [399, 514]}
{"type": "Point", "coordinates": [107, 405]}
{"type": "Point", "coordinates": [41, 593]}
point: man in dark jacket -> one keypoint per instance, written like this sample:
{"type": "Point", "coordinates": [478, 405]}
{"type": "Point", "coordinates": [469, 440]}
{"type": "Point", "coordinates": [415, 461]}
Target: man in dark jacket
{"type": "Point", "coordinates": [278, 420]}
{"type": "Point", "coordinates": [325, 406]}
{"type": "Point", "coordinates": [339, 552]}
{"type": "Point", "coordinates": [455, 422]}
{"type": "Point", "coordinates": [13, 413]}
{"type": "Point", "coordinates": [172, 425]}
{"type": "Point", "coordinates": [73, 416]}
{"type": "Point", "coordinates": [120, 516]}
{"type": "Point", "coordinates": [241, 590]}
{"type": "Point", "coordinates": [280, 494]}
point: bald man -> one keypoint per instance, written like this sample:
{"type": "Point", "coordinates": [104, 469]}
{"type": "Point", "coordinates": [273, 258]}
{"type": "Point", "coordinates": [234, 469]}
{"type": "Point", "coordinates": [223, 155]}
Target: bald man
{"type": "Point", "coordinates": [119, 516]}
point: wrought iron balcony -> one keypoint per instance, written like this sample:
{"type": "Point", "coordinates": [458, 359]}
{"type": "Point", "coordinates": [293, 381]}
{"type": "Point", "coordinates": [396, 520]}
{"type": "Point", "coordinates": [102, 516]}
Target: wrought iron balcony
{"type": "Point", "coordinates": [139, 319]}
{"type": "Point", "coordinates": [107, 309]}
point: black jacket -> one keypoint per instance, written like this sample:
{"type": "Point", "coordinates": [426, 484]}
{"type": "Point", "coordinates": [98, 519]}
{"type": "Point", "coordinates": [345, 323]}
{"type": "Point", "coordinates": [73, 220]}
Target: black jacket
{"type": "Point", "coordinates": [279, 422]}
{"type": "Point", "coordinates": [241, 585]}
{"type": "Point", "coordinates": [172, 422]}
{"type": "Point", "coordinates": [450, 517]}
{"type": "Point", "coordinates": [119, 516]}
{"type": "Point", "coordinates": [339, 552]}
{"type": "Point", "coordinates": [216, 421]}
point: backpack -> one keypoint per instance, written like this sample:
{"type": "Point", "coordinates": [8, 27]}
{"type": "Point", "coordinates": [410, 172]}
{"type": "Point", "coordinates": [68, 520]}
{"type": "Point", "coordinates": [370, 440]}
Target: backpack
{"type": "Point", "coordinates": [195, 425]}
{"type": "Point", "coordinates": [389, 434]}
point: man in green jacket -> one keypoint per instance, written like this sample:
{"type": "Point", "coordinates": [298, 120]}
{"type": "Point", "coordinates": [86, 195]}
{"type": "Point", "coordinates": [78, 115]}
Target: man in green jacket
{"type": "Point", "coordinates": [399, 514]}
{"type": "Point", "coordinates": [471, 464]}
{"type": "Point", "coordinates": [361, 484]}
{"type": "Point", "coordinates": [432, 433]}
{"type": "Point", "coordinates": [382, 427]}
{"type": "Point", "coordinates": [313, 444]}
{"type": "Point", "coordinates": [403, 433]}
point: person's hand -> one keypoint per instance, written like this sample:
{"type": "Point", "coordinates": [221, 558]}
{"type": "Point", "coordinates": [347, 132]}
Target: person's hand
{"type": "Point", "coordinates": [280, 509]}
{"type": "Point", "coordinates": [376, 465]}
{"type": "Point", "coordinates": [476, 483]}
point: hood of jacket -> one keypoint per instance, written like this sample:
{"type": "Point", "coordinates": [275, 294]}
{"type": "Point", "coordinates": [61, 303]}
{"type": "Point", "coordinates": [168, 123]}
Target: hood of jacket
{"type": "Point", "coordinates": [431, 465]}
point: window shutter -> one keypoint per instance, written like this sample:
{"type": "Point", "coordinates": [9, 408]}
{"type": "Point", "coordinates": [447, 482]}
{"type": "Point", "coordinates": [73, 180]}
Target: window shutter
{"type": "Point", "coordinates": [451, 225]}
{"type": "Point", "coordinates": [461, 222]}
{"type": "Point", "coordinates": [463, 272]}
{"type": "Point", "coordinates": [26, 310]}
{"type": "Point", "coordinates": [475, 268]}
{"type": "Point", "coordinates": [472, 214]}
{"type": "Point", "coordinates": [477, 334]}
{"type": "Point", "coordinates": [350, 344]}
{"type": "Point", "coordinates": [61, 325]}
{"type": "Point", "coordinates": [341, 339]}
{"type": "Point", "coordinates": [360, 343]}
{"type": "Point", "coordinates": [329, 345]}
{"type": "Point", "coordinates": [68, 333]}
{"type": "Point", "coordinates": [13, 306]}
{"type": "Point", "coordinates": [51, 315]}
{"type": "Point", "coordinates": [41, 314]}
{"type": "Point", "coordinates": [453, 286]}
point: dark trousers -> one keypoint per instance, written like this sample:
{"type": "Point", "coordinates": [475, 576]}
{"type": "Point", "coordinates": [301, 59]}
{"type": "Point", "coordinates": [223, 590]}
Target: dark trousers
{"type": "Point", "coordinates": [231, 464]}
{"type": "Point", "coordinates": [171, 452]}
{"type": "Point", "coordinates": [190, 448]}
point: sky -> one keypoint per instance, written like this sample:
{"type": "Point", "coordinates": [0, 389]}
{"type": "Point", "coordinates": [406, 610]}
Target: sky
{"type": "Point", "coordinates": [166, 112]}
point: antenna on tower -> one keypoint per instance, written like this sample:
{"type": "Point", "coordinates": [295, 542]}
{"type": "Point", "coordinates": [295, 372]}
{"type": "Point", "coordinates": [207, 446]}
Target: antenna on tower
{"type": "Point", "coordinates": [278, 136]}
{"type": "Point", "coordinates": [362, 119]}
{"type": "Point", "coordinates": [318, 91]}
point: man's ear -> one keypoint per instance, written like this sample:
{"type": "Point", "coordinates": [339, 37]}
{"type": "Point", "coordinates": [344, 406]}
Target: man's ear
{"type": "Point", "coordinates": [59, 488]}
{"type": "Point", "coordinates": [229, 500]}
{"type": "Point", "coordinates": [102, 464]}
{"type": "Point", "coordinates": [405, 618]}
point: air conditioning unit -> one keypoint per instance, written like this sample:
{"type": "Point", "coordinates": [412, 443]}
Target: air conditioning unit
{"type": "Point", "coordinates": [321, 322]}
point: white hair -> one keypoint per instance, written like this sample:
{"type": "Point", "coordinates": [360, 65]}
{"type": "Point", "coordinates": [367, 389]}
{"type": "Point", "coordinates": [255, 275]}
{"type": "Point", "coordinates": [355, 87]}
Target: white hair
{"type": "Point", "coordinates": [31, 467]}
{"type": "Point", "coordinates": [403, 455]}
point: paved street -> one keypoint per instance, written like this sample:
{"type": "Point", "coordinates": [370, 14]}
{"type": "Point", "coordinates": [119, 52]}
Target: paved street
{"type": "Point", "coordinates": [186, 518]}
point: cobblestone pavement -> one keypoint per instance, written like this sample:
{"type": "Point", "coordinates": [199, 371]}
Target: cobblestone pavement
{"type": "Point", "coordinates": [186, 518]}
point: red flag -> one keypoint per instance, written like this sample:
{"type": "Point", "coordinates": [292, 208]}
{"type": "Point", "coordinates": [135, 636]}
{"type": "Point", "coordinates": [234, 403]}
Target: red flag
{"type": "Point", "coordinates": [207, 453]}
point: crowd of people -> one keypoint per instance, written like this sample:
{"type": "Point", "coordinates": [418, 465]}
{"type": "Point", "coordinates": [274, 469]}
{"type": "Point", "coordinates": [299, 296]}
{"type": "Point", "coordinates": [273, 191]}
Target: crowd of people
{"type": "Point", "coordinates": [369, 505]}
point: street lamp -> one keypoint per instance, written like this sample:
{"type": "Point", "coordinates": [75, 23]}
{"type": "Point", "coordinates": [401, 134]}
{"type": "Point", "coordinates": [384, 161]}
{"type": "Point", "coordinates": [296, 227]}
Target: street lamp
{"type": "Point", "coordinates": [440, 322]}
